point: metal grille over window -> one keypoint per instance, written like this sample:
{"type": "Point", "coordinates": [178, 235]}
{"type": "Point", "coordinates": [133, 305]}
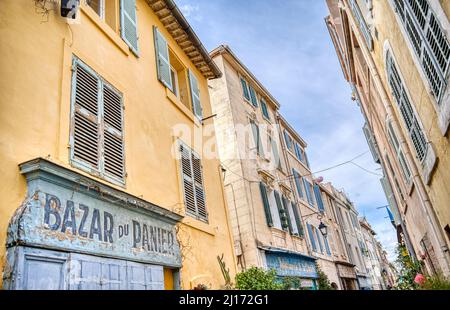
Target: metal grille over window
{"type": "Point", "coordinates": [97, 137]}
{"type": "Point", "coordinates": [194, 195]}
{"type": "Point", "coordinates": [411, 122]}
{"type": "Point", "coordinates": [428, 39]}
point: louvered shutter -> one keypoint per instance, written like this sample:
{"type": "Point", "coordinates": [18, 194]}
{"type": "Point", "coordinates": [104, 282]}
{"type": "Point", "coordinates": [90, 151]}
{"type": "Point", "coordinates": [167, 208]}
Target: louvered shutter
{"type": "Point", "coordinates": [266, 205]}
{"type": "Point", "coordinates": [195, 96]}
{"type": "Point", "coordinates": [253, 98]}
{"type": "Point", "coordinates": [298, 220]}
{"type": "Point", "coordinates": [86, 98]}
{"type": "Point", "coordinates": [276, 154]}
{"type": "Point", "coordinates": [281, 212]}
{"type": "Point", "coordinates": [319, 240]}
{"type": "Point", "coordinates": [264, 108]}
{"type": "Point", "coordinates": [298, 151]}
{"type": "Point", "coordinates": [128, 21]}
{"type": "Point", "coordinates": [245, 89]}
{"type": "Point", "coordinates": [308, 192]}
{"type": "Point", "coordinates": [287, 139]}
{"type": "Point", "coordinates": [287, 214]}
{"type": "Point", "coordinates": [318, 195]}
{"type": "Point", "coordinates": [327, 246]}
{"type": "Point", "coordinates": [311, 237]}
{"type": "Point", "coordinates": [198, 186]}
{"type": "Point", "coordinates": [257, 138]}
{"type": "Point", "coordinates": [113, 133]}
{"type": "Point", "coordinates": [298, 183]}
{"type": "Point", "coordinates": [188, 180]}
{"type": "Point", "coordinates": [162, 58]}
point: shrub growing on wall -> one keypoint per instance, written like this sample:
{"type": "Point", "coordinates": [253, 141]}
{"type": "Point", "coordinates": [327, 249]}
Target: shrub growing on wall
{"type": "Point", "coordinates": [257, 279]}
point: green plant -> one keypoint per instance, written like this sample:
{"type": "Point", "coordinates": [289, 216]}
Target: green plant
{"type": "Point", "coordinates": [291, 283]}
{"type": "Point", "coordinates": [226, 273]}
{"type": "Point", "coordinates": [258, 279]}
{"type": "Point", "coordinates": [407, 270]}
{"type": "Point", "coordinates": [323, 283]}
{"type": "Point", "coordinates": [437, 282]}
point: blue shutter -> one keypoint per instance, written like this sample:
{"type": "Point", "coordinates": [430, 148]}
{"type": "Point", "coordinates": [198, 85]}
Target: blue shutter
{"type": "Point", "coordinates": [298, 220]}
{"type": "Point", "coordinates": [287, 139]}
{"type": "Point", "coordinates": [195, 96]}
{"type": "Point", "coordinates": [319, 240]}
{"type": "Point", "coordinates": [276, 154]}
{"type": "Point", "coordinates": [311, 237]}
{"type": "Point", "coordinates": [308, 192]}
{"type": "Point", "coordinates": [162, 58]}
{"type": "Point", "coordinates": [281, 212]}
{"type": "Point", "coordinates": [297, 182]}
{"type": "Point", "coordinates": [253, 98]}
{"type": "Point", "coordinates": [327, 246]}
{"type": "Point", "coordinates": [257, 138]}
{"type": "Point", "coordinates": [266, 205]}
{"type": "Point", "coordinates": [128, 21]}
{"type": "Point", "coordinates": [298, 151]}
{"type": "Point", "coordinates": [264, 108]}
{"type": "Point", "coordinates": [318, 195]}
{"type": "Point", "coordinates": [306, 161]}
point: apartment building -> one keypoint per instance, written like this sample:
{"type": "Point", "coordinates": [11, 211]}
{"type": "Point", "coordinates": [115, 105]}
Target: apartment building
{"type": "Point", "coordinates": [371, 255]}
{"type": "Point", "coordinates": [395, 54]}
{"type": "Point", "coordinates": [99, 190]}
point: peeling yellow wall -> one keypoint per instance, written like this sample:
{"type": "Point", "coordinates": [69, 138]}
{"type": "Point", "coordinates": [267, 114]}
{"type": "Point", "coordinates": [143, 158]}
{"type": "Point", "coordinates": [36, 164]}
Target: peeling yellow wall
{"type": "Point", "coordinates": [35, 87]}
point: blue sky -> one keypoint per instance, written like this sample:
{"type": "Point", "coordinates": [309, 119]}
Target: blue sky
{"type": "Point", "coordinates": [287, 46]}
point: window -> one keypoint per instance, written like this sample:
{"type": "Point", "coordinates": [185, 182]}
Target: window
{"type": "Point", "coordinates": [281, 212]}
{"type": "Point", "coordinates": [399, 152]}
{"type": "Point", "coordinates": [172, 73]}
{"type": "Point", "coordinates": [327, 246]}
{"type": "Point", "coordinates": [371, 142]}
{"type": "Point", "coordinates": [308, 190]}
{"type": "Point", "coordinates": [406, 110]}
{"type": "Point", "coordinates": [288, 215]}
{"type": "Point", "coordinates": [128, 21]}
{"type": "Point", "coordinates": [318, 195]}
{"type": "Point", "coordinates": [98, 6]}
{"type": "Point", "coordinates": [257, 138]}
{"type": "Point", "coordinates": [245, 90]}
{"type": "Point", "coordinates": [97, 125]}
{"type": "Point", "coordinates": [361, 23]}
{"type": "Point", "coordinates": [311, 237]}
{"type": "Point", "coordinates": [319, 240]}
{"type": "Point", "coordinates": [298, 183]}
{"type": "Point", "coordinates": [289, 141]}
{"type": "Point", "coordinates": [297, 220]}
{"type": "Point", "coordinates": [266, 205]}
{"type": "Point", "coordinates": [264, 109]}
{"type": "Point", "coordinates": [253, 98]}
{"type": "Point", "coordinates": [429, 42]}
{"type": "Point", "coordinates": [298, 151]}
{"type": "Point", "coordinates": [276, 154]}
{"type": "Point", "coordinates": [193, 188]}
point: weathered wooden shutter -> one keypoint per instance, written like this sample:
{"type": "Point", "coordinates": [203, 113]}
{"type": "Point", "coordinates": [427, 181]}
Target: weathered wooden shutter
{"type": "Point", "coordinates": [318, 195]}
{"type": "Point", "coordinates": [198, 186]}
{"type": "Point", "coordinates": [188, 180]}
{"type": "Point", "coordinates": [113, 133]}
{"type": "Point", "coordinates": [195, 96]}
{"type": "Point", "coordinates": [319, 240]}
{"type": "Point", "coordinates": [287, 139]}
{"type": "Point", "coordinates": [245, 89]}
{"type": "Point", "coordinates": [276, 154]}
{"type": "Point", "coordinates": [128, 21]}
{"type": "Point", "coordinates": [298, 183]}
{"type": "Point", "coordinates": [264, 109]}
{"type": "Point", "coordinates": [253, 98]}
{"type": "Point", "coordinates": [266, 205]}
{"type": "Point", "coordinates": [298, 151]}
{"type": "Point", "coordinates": [86, 98]}
{"type": "Point", "coordinates": [287, 215]}
{"type": "Point", "coordinates": [162, 58]}
{"type": "Point", "coordinates": [308, 192]}
{"type": "Point", "coordinates": [257, 138]}
{"type": "Point", "coordinates": [298, 220]}
{"type": "Point", "coordinates": [281, 211]}
{"type": "Point", "coordinates": [327, 246]}
{"type": "Point", "coordinates": [311, 237]}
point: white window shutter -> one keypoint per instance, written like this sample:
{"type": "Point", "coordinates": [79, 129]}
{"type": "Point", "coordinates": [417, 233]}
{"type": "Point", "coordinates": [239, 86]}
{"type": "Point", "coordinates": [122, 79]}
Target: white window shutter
{"type": "Point", "coordinates": [86, 137]}
{"type": "Point", "coordinates": [113, 133]}
{"type": "Point", "coordinates": [198, 183]}
{"type": "Point", "coordinates": [195, 96]}
{"type": "Point", "coordinates": [188, 181]}
{"type": "Point", "coordinates": [162, 58]}
{"type": "Point", "coordinates": [128, 21]}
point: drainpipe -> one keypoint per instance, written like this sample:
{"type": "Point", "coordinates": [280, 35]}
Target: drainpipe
{"type": "Point", "coordinates": [423, 195]}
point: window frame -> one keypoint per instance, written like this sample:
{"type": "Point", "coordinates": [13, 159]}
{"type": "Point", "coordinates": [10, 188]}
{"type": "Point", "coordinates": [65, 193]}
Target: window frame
{"type": "Point", "coordinates": [102, 9]}
{"type": "Point", "coordinates": [98, 171]}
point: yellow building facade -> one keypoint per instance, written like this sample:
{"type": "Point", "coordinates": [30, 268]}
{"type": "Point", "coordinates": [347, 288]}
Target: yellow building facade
{"type": "Point", "coordinates": [101, 144]}
{"type": "Point", "coordinates": [396, 56]}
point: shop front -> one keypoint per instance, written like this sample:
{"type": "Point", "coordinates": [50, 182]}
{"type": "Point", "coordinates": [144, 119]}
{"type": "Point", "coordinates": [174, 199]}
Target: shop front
{"type": "Point", "coordinates": [295, 266]}
{"type": "Point", "coordinates": [72, 232]}
{"type": "Point", "coordinates": [364, 282]}
{"type": "Point", "coordinates": [347, 274]}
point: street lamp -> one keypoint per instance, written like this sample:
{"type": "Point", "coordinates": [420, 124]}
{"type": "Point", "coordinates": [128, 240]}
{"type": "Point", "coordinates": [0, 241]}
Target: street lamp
{"type": "Point", "coordinates": [323, 229]}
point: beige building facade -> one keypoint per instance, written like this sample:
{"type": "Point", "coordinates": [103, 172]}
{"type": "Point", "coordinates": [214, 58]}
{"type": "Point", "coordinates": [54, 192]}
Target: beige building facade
{"type": "Point", "coordinates": [396, 54]}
